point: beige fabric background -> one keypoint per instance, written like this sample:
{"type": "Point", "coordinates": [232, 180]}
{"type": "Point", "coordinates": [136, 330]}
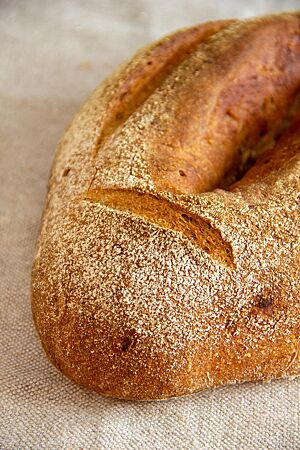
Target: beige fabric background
{"type": "Point", "coordinates": [52, 54]}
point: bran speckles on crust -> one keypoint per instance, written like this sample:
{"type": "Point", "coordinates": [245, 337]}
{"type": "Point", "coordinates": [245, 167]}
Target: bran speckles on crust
{"type": "Point", "coordinates": [141, 301]}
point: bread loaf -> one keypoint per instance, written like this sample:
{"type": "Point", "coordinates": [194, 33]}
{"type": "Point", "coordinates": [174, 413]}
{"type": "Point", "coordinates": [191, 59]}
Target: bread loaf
{"type": "Point", "coordinates": [169, 254]}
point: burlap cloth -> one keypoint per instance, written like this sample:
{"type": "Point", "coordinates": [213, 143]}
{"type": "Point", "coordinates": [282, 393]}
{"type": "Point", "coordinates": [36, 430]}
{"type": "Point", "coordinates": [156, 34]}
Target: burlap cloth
{"type": "Point", "coordinates": [52, 54]}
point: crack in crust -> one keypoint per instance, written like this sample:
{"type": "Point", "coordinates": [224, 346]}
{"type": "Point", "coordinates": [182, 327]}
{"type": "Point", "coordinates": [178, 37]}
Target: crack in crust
{"type": "Point", "coordinates": [169, 216]}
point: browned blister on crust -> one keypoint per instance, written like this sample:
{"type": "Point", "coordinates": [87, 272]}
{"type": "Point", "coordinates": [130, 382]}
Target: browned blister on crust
{"type": "Point", "coordinates": [165, 266]}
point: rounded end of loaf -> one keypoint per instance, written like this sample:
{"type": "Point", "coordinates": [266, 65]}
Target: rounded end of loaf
{"type": "Point", "coordinates": [137, 312]}
{"type": "Point", "coordinates": [116, 311]}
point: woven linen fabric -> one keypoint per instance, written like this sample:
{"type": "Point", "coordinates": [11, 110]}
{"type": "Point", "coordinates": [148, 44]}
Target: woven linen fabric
{"type": "Point", "coordinates": [52, 55]}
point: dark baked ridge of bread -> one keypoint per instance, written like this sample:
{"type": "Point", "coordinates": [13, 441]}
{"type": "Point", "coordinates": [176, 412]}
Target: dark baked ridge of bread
{"type": "Point", "coordinates": [247, 76]}
{"type": "Point", "coordinates": [129, 302]}
{"type": "Point", "coordinates": [272, 160]}
{"type": "Point", "coordinates": [142, 76]}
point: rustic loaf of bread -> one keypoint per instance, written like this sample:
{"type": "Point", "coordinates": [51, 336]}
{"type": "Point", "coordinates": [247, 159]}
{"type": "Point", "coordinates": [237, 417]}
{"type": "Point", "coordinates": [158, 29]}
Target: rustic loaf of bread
{"type": "Point", "coordinates": [169, 254]}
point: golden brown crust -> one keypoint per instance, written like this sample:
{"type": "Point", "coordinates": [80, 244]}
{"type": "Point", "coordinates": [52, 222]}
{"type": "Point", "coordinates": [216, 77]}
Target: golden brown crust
{"type": "Point", "coordinates": [147, 283]}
